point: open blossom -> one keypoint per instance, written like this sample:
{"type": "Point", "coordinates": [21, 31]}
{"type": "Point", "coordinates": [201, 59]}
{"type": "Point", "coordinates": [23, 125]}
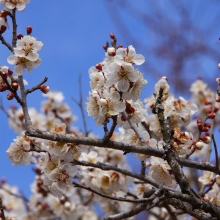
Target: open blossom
{"type": "Point", "coordinates": [128, 55]}
{"type": "Point", "coordinates": [206, 177]}
{"type": "Point", "coordinates": [19, 151]}
{"type": "Point", "coordinates": [27, 47]}
{"type": "Point", "coordinates": [11, 4]}
{"type": "Point", "coordinates": [122, 75]}
{"type": "Point", "coordinates": [160, 171]}
{"type": "Point", "coordinates": [22, 63]}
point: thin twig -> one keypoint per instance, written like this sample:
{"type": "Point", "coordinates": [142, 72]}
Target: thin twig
{"type": "Point", "coordinates": [6, 43]}
{"type": "Point", "coordinates": [216, 153]}
{"type": "Point", "coordinates": [114, 197]}
{"type": "Point", "coordinates": [36, 87]}
{"type": "Point", "coordinates": [80, 104]}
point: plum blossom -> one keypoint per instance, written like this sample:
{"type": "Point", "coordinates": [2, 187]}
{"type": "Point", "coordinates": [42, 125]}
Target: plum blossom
{"type": "Point", "coordinates": [11, 4]}
{"type": "Point", "coordinates": [27, 47]}
{"type": "Point", "coordinates": [22, 63]}
{"type": "Point", "coordinates": [122, 75]}
{"type": "Point", "coordinates": [160, 171]}
{"type": "Point", "coordinates": [19, 151]}
{"type": "Point", "coordinates": [128, 55]}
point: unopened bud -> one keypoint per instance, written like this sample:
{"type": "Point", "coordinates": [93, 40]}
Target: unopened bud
{"type": "Point", "coordinates": [219, 65]}
{"type": "Point", "coordinates": [208, 110]}
{"type": "Point", "coordinates": [45, 89]}
{"type": "Point", "coordinates": [103, 102]}
{"type": "Point", "coordinates": [105, 47]}
{"type": "Point", "coordinates": [199, 145]}
{"type": "Point", "coordinates": [200, 126]}
{"type": "Point", "coordinates": [207, 102]}
{"type": "Point", "coordinates": [10, 96]}
{"type": "Point", "coordinates": [3, 29]}
{"type": "Point", "coordinates": [112, 36]}
{"type": "Point", "coordinates": [111, 51]}
{"type": "Point", "coordinates": [205, 139]}
{"type": "Point", "coordinates": [4, 13]}
{"type": "Point", "coordinates": [217, 99]}
{"type": "Point", "coordinates": [211, 115]}
{"type": "Point", "coordinates": [164, 77]}
{"type": "Point", "coordinates": [215, 109]}
{"type": "Point", "coordinates": [205, 129]}
{"type": "Point", "coordinates": [198, 121]}
{"type": "Point", "coordinates": [10, 72]}
{"type": "Point", "coordinates": [98, 66]}
{"type": "Point", "coordinates": [208, 125]}
{"type": "Point", "coordinates": [218, 80]}
{"type": "Point", "coordinates": [19, 36]}
{"type": "Point", "coordinates": [4, 75]}
{"type": "Point", "coordinates": [3, 88]}
{"type": "Point", "coordinates": [14, 86]}
{"type": "Point", "coordinates": [29, 30]}
{"type": "Point", "coordinates": [119, 46]}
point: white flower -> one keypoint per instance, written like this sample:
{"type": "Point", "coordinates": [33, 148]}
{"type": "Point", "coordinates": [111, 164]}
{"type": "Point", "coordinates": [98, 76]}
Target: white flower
{"type": "Point", "coordinates": [19, 151]}
{"type": "Point", "coordinates": [206, 177]}
{"type": "Point", "coordinates": [122, 75]}
{"type": "Point", "coordinates": [11, 4]}
{"type": "Point", "coordinates": [62, 176]}
{"type": "Point", "coordinates": [27, 47]}
{"type": "Point", "coordinates": [91, 157]}
{"type": "Point", "coordinates": [128, 55]}
{"type": "Point", "coordinates": [22, 63]}
{"type": "Point", "coordinates": [162, 83]}
{"type": "Point", "coordinates": [160, 171]}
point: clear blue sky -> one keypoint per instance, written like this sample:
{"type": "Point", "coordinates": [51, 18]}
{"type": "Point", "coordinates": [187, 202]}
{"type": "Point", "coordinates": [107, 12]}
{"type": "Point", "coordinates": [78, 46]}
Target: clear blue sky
{"type": "Point", "coordinates": [73, 33]}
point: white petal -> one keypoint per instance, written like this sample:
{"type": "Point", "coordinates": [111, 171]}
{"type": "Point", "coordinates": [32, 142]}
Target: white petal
{"type": "Point", "coordinates": [139, 59]}
{"type": "Point", "coordinates": [123, 85]}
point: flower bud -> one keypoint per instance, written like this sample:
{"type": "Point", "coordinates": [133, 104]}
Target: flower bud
{"type": "Point", "coordinates": [4, 75]}
{"type": "Point", "coordinates": [112, 36]}
{"type": "Point", "coordinates": [4, 13]}
{"type": "Point", "coordinates": [200, 127]}
{"type": "Point", "coordinates": [211, 115]}
{"type": "Point", "coordinates": [105, 47]}
{"type": "Point", "coordinates": [10, 96]}
{"type": "Point", "coordinates": [219, 65]}
{"type": "Point", "coordinates": [3, 29]}
{"type": "Point", "coordinates": [19, 36]}
{"type": "Point", "coordinates": [29, 30]}
{"type": "Point", "coordinates": [199, 145]}
{"type": "Point", "coordinates": [103, 102]}
{"type": "Point", "coordinates": [207, 102]}
{"type": "Point", "coordinates": [119, 46]}
{"type": "Point", "coordinates": [218, 80]}
{"type": "Point", "coordinates": [205, 129]}
{"type": "Point", "coordinates": [98, 66]}
{"type": "Point", "coordinates": [14, 86]}
{"type": "Point", "coordinates": [10, 72]}
{"type": "Point", "coordinates": [215, 109]}
{"type": "Point", "coordinates": [45, 89]}
{"type": "Point", "coordinates": [3, 88]}
{"type": "Point", "coordinates": [208, 110]}
{"type": "Point", "coordinates": [217, 99]}
{"type": "Point", "coordinates": [198, 121]}
{"type": "Point", "coordinates": [111, 51]}
{"type": "Point", "coordinates": [205, 139]}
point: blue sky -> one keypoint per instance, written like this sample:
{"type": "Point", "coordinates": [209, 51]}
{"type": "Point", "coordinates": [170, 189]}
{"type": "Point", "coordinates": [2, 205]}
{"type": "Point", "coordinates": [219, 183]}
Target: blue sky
{"type": "Point", "coordinates": [73, 33]}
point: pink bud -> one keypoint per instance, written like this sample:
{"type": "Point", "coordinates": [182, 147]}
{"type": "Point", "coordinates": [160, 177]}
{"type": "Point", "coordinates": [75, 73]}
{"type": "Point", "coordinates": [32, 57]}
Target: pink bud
{"type": "Point", "coordinates": [205, 139]}
{"type": "Point", "coordinates": [14, 85]}
{"type": "Point", "coordinates": [211, 115]}
{"type": "Point", "coordinates": [45, 89]}
{"type": "Point", "coordinates": [29, 30]}
{"type": "Point", "coordinates": [199, 145]}
{"type": "Point", "coordinates": [112, 36]}
{"type": "Point", "coordinates": [10, 96]}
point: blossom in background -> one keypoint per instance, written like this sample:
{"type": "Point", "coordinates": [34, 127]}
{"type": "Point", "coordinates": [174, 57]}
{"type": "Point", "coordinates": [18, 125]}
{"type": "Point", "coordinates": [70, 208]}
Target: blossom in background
{"type": "Point", "coordinates": [19, 151]}
{"type": "Point", "coordinates": [11, 4]}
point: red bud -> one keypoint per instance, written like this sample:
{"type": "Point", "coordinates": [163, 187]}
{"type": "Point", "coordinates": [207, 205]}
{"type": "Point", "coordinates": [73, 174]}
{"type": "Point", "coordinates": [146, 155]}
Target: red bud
{"type": "Point", "coordinates": [19, 36]}
{"type": "Point", "coordinates": [45, 89]}
{"type": "Point", "coordinates": [98, 66]}
{"type": "Point", "coordinates": [10, 96]}
{"type": "Point", "coordinates": [211, 115]}
{"type": "Point", "coordinates": [112, 36]}
{"type": "Point", "coordinates": [29, 30]}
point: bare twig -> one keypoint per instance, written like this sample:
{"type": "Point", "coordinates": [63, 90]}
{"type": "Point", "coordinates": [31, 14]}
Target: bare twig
{"type": "Point", "coordinates": [114, 197]}
{"type": "Point", "coordinates": [36, 87]}
{"type": "Point", "coordinates": [80, 104]}
{"type": "Point", "coordinates": [216, 153]}
{"type": "Point", "coordinates": [6, 43]}
{"type": "Point", "coordinates": [117, 145]}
